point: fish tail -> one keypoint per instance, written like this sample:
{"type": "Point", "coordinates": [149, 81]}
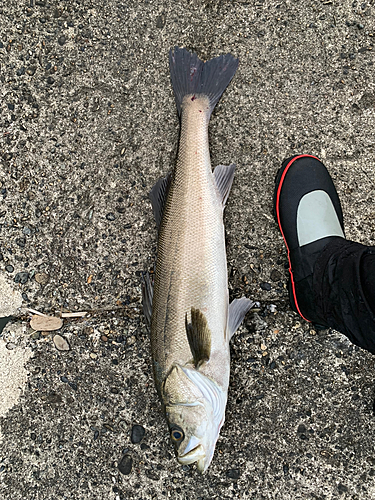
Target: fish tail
{"type": "Point", "coordinates": [190, 75]}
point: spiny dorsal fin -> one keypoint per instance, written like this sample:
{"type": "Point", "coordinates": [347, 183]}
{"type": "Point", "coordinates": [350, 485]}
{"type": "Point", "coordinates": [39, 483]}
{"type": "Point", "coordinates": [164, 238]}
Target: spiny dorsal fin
{"type": "Point", "coordinates": [147, 296]}
{"type": "Point", "coordinates": [199, 336]}
{"type": "Point", "coordinates": [158, 196]}
{"type": "Point", "coordinates": [224, 175]}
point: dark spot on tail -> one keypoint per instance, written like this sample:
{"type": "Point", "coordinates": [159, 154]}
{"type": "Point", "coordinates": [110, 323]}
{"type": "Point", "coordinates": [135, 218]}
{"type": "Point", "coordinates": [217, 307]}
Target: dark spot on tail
{"type": "Point", "coordinates": [193, 98]}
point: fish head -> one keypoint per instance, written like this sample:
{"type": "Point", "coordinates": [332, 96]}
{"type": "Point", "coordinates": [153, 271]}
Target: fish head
{"type": "Point", "coordinates": [195, 409]}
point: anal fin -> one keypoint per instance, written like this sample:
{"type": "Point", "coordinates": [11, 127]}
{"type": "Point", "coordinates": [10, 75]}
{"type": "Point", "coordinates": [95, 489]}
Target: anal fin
{"type": "Point", "coordinates": [224, 175]}
{"type": "Point", "coordinates": [199, 336]}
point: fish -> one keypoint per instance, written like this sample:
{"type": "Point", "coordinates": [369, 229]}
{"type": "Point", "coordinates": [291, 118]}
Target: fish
{"type": "Point", "coordinates": [187, 301]}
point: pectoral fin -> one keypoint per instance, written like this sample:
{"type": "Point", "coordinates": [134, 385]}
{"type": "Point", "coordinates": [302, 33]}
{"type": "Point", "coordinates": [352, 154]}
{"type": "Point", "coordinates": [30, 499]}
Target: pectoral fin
{"type": "Point", "coordinates": [199, 336]}
{"type": "Point", "coordinates": [224, 175]}
{"type": "Point", "coordinates": [236, 313]}
{"type": "Point", "coordinates": [158, 196]}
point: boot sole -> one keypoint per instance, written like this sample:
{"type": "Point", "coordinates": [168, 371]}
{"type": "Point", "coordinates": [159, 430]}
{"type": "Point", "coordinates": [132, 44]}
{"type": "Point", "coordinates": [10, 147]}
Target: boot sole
{"type": "Point", "coordinates": [280, 176]}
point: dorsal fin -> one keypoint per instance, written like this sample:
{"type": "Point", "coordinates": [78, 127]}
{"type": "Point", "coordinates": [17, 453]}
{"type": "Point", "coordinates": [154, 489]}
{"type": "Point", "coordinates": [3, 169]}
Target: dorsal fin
{"type": "Point", "coordinates": [224, 175]}
{"type": "Point", "coordinates": [199, 336]}
{"type": "Point", "coordinates": [147, 296]}
{"type": "Point", "coordinates": [158, 196]}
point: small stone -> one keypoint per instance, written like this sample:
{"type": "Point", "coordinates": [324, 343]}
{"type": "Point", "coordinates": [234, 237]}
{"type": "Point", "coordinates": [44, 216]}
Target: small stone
{"type": "Point", "coordinates": [35, 336]}
{"type": "Point", "coordinates": [96, 435]}
{"type": "Point", "coordinates": [152, 475]}
{"type": "Point", "coordinates": [9, 268]}
{"type": "Point", "coordinates": [21, 242]}
{"type": "Point", "coordinates": [93, 355]}
{"type": "Point", "coordinates": [60, 343]}
{"type": "Point", "coordinates": [137, 434]}
{"type": "Point", "coordinates": [26, 230]}
{"type": "Point", "coordinates": [73, 385]}
{"type": "Point", "coordinates": [111, 216]}
{"type": "Point", "coordinates": [104, 338]}
{"type": "Point", "coordinates": [160, 21]}
{"type": "Point", "coordinates": [50, 80]}
{"type": "Point", "coordinates": [301, 429]}
{"type": "Point", "coordinates": [113, 390]}
{"type": "Point", "coordinates": [265, 286]}
{"type": "Point", "coordinates": [61, 40]}
{"type": "Point", "coordinates": [21, 278]}
{"type": "Point", "coordinates": [41, 278]}
{"type": "Point", "coordinates": [342, 488]}
{"type": "Point", "coordinates": [263, 347]}
{"type": "Point", "coordinates": [125, 466]}
{"type": "Point", "coordinates": [10, 346]}
{"type": "Point", "coordinates": [275, 275]}
{"type": "Point", "coordinates": [45, 323]}
{"type": "Point", "coordinates": [20, 71]}
{"type": "Point", "coordinates": [233, 473]}
{"type": "Point", "coordinates": [64, 379]}
{"type": "Point", "coordinates": [31, 70]}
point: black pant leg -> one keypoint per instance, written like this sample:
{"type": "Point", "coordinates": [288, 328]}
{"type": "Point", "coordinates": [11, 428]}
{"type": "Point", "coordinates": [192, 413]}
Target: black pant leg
{"type": "Point", "coordinates": [344, 291]}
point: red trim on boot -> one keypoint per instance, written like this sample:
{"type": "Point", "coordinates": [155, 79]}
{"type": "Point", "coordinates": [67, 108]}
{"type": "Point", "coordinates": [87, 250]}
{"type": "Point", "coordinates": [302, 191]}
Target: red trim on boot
{"type": "Point", "coordinates": [281, 229]}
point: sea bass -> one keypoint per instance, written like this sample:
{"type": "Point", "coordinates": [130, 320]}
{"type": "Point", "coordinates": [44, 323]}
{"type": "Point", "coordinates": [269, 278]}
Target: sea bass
{"type": "Point", "coordinates": [188, 307]}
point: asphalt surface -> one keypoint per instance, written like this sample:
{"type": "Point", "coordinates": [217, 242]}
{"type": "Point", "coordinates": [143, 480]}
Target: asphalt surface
{"type": "Point", "coordinates": [88, 124]}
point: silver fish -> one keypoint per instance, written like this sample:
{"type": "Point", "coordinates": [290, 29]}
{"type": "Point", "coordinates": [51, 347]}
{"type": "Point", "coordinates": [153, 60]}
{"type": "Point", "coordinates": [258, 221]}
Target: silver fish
{"type": "Point", "coordinates": [191, 319]}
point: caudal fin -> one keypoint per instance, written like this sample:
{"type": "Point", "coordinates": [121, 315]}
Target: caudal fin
{"type": "Point", "coordinates": [190, 75]}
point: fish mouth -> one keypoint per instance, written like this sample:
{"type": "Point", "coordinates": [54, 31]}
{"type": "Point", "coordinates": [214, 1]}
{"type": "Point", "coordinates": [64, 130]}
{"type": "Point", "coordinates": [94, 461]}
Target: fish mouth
{"type": "Point", "coordinates": [196, 455]}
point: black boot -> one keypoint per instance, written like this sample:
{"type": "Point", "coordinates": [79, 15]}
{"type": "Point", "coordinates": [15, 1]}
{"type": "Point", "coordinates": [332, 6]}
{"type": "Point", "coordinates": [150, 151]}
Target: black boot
{"type": "Point", "coordinates": [308, 211]}
{"type": "Point", "coordinates": [332, 280]}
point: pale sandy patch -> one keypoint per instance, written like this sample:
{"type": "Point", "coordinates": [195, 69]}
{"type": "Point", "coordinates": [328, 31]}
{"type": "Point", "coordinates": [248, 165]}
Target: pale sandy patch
{"type": "Point", "coordinates": [13, 375]}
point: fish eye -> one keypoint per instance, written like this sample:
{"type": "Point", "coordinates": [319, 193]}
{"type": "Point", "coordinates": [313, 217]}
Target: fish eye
{"type": "Point", "coordinates": [177, 435]}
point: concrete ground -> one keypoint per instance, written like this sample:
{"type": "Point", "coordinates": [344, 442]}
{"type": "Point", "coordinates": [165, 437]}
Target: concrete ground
{"type": "Point", "coordinates": [88, 124]}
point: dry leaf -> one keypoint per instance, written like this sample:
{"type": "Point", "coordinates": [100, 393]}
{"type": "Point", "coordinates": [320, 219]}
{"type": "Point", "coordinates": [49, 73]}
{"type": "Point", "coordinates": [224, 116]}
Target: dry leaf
{"type": "Point", "coordinates": [45, 323]}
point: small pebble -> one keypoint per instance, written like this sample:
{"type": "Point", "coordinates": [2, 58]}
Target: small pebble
{"type": "Point", "coordinates": [265, 286]}
{"type": "Point", "coordinates": [41, 278]}
{"type": "Point", "coordinates": [50, 80]}
{"type": "Point", "coordinates": [21, 242]}
{"type": "Point", "coordinates": [9, 268]}
{"type": "Point", "coordinates": [125, 466]}
{"type": "Point", "coordinates": [137, 434]}
{"type": "Point", "coordinates": [21, 278]}
{"type": "Point", "coordinates": [93, 355]}
{"type": "Point", "coordinates": [61, 40]}
{"type": "Point", "coordinates": [104, 338]}
{"type": "Point", "coordinates": [60, 343]}
{"type": "Point", "coordinates": [111, 216]}
{"type": "Point", "coordinates": [233, 473]}
{"type": "Point", "coordinates": [275, 275]}
{"type": "Point", "coordinates": [10, 346]}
